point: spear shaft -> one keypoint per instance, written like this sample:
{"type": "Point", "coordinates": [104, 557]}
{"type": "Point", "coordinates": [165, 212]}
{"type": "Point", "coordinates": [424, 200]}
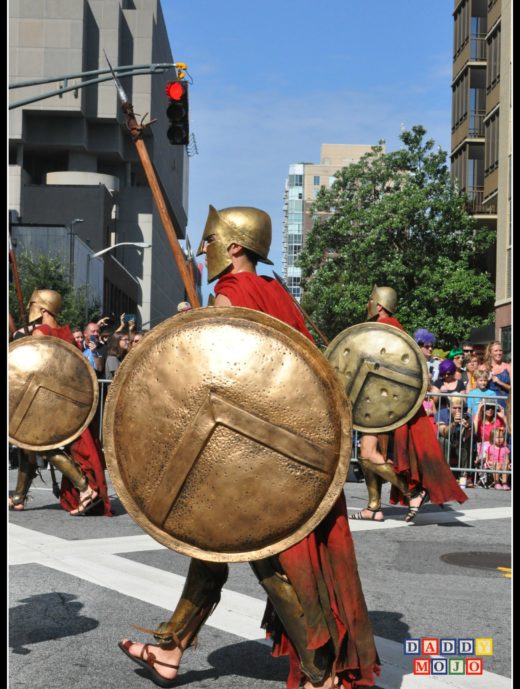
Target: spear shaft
{"type": "Point", "coordinates": [301, 309]}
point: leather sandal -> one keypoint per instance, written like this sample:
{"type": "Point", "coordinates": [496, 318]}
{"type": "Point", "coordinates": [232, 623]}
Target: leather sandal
{"type": "Point", "coordinates": [414, 509]}
{"type": "Point", "coordinates": [86, 504]}
{"type": "Point", "coordinates": [148, 663]}
{"type": "Point", "coordinates": [360, 517]}
{"type": "Point", "coordinates": [17, 504]}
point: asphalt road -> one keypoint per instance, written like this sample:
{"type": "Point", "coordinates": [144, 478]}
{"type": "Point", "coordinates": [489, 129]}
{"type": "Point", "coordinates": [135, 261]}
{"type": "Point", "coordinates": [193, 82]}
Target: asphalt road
{"type": "Point", "coordinates": [76, 585]}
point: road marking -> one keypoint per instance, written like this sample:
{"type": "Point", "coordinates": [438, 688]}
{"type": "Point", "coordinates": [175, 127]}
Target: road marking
{"type": "Point", "coordinates": [438, 517]}
{"type": "Point", "coordinates": [507, 572]}
{"type": "Point", "coordinates": [236, 613]}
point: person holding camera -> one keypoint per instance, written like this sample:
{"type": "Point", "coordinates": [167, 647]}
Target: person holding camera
{"type": "Point", "coordinates": [454, 427]}
{"type": "Point", "coordinates": [91, 347]}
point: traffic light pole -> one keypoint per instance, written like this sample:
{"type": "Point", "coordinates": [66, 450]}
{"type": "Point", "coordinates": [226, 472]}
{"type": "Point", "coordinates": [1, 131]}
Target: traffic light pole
{"type": "Point", "coordinates": [136, 131]}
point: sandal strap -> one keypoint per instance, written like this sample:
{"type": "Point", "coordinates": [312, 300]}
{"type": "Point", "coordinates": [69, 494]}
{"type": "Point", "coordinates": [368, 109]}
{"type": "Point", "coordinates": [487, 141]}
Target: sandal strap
{"type": "Point", "coordinates": [151, 659]}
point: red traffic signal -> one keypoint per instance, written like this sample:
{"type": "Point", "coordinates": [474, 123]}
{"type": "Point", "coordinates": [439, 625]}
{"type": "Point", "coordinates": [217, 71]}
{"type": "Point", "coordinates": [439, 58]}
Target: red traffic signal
{"type": "Point", "coordinates": [177, 112]}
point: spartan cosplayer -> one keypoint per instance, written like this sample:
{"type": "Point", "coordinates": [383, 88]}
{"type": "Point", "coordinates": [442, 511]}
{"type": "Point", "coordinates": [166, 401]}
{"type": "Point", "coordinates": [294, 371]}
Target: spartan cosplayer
{"type": "Point", "coordinates": [241, 456]}
{"type": "Point", "coordinates": [384, 375]}
{"type": "Point", "coordinates": [53, 395]}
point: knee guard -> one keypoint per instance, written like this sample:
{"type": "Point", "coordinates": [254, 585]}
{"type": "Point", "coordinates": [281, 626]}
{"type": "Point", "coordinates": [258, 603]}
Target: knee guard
{"type": "Point", "coordinates": [316, 664]}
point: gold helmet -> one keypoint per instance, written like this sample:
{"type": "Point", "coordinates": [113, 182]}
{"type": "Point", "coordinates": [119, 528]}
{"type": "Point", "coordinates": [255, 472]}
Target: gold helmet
{"type": "Point", "coordinates": [246, 226]}
{"type": "Point", "coordinates": [46, 299]}
{"type": "Point", "coordinates": [385, 296]}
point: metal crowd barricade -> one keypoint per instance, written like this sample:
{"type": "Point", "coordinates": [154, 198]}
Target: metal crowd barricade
{"type": "Point", "coordinates": [462, 456]}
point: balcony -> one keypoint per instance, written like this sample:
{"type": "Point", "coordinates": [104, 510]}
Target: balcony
{"type": "Point", "coordinates": [476, 124]}
{"type": "Point", "coordinates": [477, 47]}
{"type": "Point", "coordinates": [475, 203]}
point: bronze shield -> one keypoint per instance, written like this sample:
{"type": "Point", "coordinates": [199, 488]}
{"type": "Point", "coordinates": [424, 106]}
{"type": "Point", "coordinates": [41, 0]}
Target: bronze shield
{"type": "Point", "coordinates": [227, 435]}
{"type": "Point", "coordinates": [53, 393]}
{"type": "Point", "coordinates": [383, 373]}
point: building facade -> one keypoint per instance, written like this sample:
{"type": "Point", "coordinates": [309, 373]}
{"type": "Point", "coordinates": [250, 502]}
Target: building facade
{"type": "Point", "coordinates": [481, 141]}
{"type": "Point", "coordinates": [301, 187]}
{"type": "Point", "coordinates": [72, 163]}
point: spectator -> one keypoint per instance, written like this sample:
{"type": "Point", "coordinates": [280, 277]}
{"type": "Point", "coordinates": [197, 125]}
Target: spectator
{"type": "Point", "coordinates": [136, 338]}
{"type": "Point", "coordinates": [468, 351]}
{"type": "Point", "coordinates": [126, 324]}
{"type": "Point", "coordinates": [457, 356]}
{"type": "Point", "coordinates": [455, 437]}
{"type": "Point", "coordinates": [90, 346]}
{"type": "Point", "coordinates": [500, 380]}
{"type": "Point", "coordinates": [476, 396]}
{"type": "Point", "coordinates": [426, 341]}
{"type": "Point", "coordinates": [183, 306]}
{"type": "Point", "coordinates": [498, 458]}
{"type": "Point", "coordinates": [430, 406]}
{"type": "Point", "coordinates": [471, 370]}
{"type": "Point", "coordinates": [447, 382]}
{"type": "Point", "coordinates": [77, 334]}
{"type": "Point", "coordinates": [489, 416]}
{"type": "Point", "coordinates": [117, 349]}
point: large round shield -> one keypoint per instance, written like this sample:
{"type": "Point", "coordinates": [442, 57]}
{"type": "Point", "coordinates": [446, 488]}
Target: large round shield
{"type": "Point", "coordinates": [53, 393]}
{"type": "Point", "coordinates": [383, 373]}
{"type": "Point", "coordinates": [227, 435]}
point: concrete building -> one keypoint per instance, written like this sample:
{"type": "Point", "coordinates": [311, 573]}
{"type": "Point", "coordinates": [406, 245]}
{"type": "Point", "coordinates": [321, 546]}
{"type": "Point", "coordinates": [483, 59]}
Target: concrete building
{"type": "Point", "coordinates": [301, 187]}
{"type": "Point", "coordinates": [481, 142]}
{"type": "Point", "coordinates": [73, 167]}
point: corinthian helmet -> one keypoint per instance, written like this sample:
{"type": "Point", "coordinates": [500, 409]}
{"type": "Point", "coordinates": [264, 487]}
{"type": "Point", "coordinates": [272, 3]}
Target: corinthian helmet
{"type": "Point", "coordinates": [245, 226]}
{"type": "Point", "coordinates": [46, 299]}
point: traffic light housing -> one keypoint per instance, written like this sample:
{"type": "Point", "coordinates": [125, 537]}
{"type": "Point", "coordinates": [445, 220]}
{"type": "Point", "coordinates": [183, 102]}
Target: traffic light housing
{"type": "Point", "coordinates": [179, 130]}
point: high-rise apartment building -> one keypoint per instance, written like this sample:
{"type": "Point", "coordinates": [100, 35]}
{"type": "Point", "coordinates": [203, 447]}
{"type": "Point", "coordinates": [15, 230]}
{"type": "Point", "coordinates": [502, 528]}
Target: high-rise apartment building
{"type": "Point", "coordinates": [76, 183]}
{"type": "Point", "coordinates": [481, 141]}
{"type": "Point", "coordinates": [301, 187]}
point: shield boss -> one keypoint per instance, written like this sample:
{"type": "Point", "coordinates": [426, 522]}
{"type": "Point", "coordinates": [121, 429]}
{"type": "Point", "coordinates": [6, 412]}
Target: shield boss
{"type": "Point", "coordinates": [383, 373]}
{"type": "Point", "coordinates": [227, 435]}
{"type": "Point", "coordinates": [53, 393]}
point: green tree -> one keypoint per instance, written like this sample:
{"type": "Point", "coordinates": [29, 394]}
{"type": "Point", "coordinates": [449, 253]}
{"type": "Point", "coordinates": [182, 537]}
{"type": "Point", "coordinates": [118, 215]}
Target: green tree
{"type": "Point", "coordinates": [397, 219]}
{"type": "Point", "coordinates": [45, 272]}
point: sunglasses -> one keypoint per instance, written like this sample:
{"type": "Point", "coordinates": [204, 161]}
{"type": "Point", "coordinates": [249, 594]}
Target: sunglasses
{"type": "Point", "coordinates": [468, 351]}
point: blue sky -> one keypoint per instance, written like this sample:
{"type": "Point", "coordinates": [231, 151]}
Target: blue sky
{"type": "Point", "coordinates": [272, 81]}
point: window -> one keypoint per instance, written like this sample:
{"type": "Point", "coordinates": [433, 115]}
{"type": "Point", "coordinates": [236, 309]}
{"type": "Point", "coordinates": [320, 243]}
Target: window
{"type": "Point", "coordinates": [316, 181]}
{"type": "Point", "coordinates": [493, 60]}
{"type": "Point", "coordinates": [491, 153]}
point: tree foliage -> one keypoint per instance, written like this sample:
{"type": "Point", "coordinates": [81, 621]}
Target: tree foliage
{"type": "Point", "coordinates": [396, 219]}
{"type": "Point", "coordinates": [45, 272]}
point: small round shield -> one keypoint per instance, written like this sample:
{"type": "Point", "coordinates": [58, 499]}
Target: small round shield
{"type": "Point", "coordinates": [383, 373]}
{"type": "Point", "coordinates": [53, 393]}
{"type": "Point", "coordinates": [227, 435]}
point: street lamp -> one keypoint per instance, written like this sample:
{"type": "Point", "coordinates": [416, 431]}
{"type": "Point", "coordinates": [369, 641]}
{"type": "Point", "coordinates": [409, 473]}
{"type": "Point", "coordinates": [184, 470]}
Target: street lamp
{"type": "Point", "coordinates": [71, 249]}
{"type": "Point", "coordinates": [139, 245]}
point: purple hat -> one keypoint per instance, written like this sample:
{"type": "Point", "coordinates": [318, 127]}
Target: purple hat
{"type": "Point", "coordinates": [424, 337]}
{"type": "Point", "coordinates": [446, 366]}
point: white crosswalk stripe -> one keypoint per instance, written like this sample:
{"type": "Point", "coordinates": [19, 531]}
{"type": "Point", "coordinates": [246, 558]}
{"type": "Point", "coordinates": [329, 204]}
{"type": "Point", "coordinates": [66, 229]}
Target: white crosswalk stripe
{"type": "Point", "coordinates": [236, 614]}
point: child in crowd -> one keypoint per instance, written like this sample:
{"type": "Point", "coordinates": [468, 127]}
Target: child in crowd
{"type": "Point", "coordinates": [476, 396]}
{"type": "Point", "coordinates": [498, 458]}
{"type": "Point", "coordinates": [490, 416]}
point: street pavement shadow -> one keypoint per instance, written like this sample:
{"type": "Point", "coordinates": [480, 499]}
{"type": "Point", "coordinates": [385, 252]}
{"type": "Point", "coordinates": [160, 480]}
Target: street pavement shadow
{"type": "Point", "coordinates": [45, 617]}
{"type": "Point", "coordinates": [250, 659]}
{"type": "Point", "coordinates": [389, 625]}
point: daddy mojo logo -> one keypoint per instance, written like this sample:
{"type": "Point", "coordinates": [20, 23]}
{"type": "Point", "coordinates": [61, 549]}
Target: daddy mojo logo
{"type": "Point", "coordinates": [452, 656]}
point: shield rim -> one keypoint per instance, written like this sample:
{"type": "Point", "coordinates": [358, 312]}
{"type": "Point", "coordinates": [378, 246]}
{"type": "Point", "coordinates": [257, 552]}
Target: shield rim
{"type": "Point", "coordinates": [58, 342]}
{"type": "Point", "coordinates": [413, 345]}
{"type": "Point", "coordinates": [338, 398]}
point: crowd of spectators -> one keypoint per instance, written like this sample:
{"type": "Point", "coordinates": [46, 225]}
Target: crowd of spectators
{"type": "Point", "coordinates": [468, 401]}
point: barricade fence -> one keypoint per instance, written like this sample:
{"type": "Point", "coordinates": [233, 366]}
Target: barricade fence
{"type": "Point", "coordinates": [458, 421]}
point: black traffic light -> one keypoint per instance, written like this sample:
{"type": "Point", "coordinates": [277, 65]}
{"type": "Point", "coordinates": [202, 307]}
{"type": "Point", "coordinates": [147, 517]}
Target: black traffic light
{"type": "Point", "coordinates": [179, 130]}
